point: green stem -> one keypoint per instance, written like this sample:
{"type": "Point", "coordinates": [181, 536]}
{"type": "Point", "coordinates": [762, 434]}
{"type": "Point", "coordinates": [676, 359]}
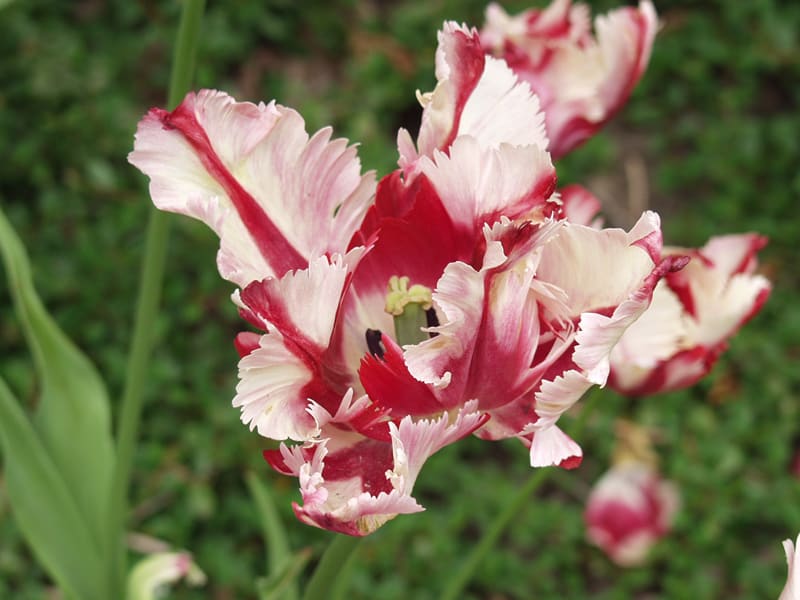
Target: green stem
{"type": "Point", "coordinates": [458, 583]}
{"type": "Point", "coordinates": [150, 284]}
{"type": "Point", "coordinates": [330, 567]}
{"type": "Point", "coordinates": [183, 58]}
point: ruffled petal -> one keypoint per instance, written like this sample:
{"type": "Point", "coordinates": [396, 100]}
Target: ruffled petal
{"type": "Point", "coordinates": [719, 288]}
{"type": "Point", "coordinates": [475, 95]}
{"type": "Point", "coordinates": [354, 485]}
{"type": "Point", "coordinates": [271, 390]}
{"type": "Point", "coordinates": [390, 385]}
{"type": "Point", "coordinates": [551, 446]}
{"type": "Point", "coordinates": [604, 266]}
{"type": "Point", "coordinates": [275, 197]}
{"type": "Point", "coordinates": [478, 185]}
{"type": "Point", "coordinates": [598, 333]}
{"type": "Point", "coordinates": [302, 304]}
{"type": "Point", "coordinates": [293, 363]}
{"type": "Point", "coordinates": [534, 29]}
{"type": "Point", "coordinates": [607, 308]}
{"type": "Point", "coordinates": [490, 325]}
{"type": "Point", "coordinates": [660, 333]}
{"type": "Point", "coordinates": [459, 302]}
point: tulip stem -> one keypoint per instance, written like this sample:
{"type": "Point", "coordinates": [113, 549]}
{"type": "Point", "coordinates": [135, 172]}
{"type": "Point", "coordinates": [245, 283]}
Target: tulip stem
{"type": "Point", "coordinates": [150, 284]}
{"type": "Point", "coordinates": [457, 584]}
{"type": "Point", "coordinates": [330, 566]}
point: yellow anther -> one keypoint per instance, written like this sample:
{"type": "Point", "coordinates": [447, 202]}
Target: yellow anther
{"type": "Point", "coordinates": [400, 295]}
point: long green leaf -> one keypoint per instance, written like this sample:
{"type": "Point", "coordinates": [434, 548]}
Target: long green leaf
{"type": "Point", "coordinates": [44, 508]}
{"type": "Point", "coordinates": [283, 578]}
{"type": "Point", "coordinates": [328, 573]}
{"type": "Point", "coordinates": [72, 417]}
{"type": "Point", "coordinates": [278, 550]}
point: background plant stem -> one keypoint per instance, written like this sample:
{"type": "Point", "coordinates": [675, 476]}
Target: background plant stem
{"type": "Point", "coordinates": [152, 276]}
{"type": "Point", "coordinates": [456, 585]}
{"type": "Point", "coordinates": [330, 566]}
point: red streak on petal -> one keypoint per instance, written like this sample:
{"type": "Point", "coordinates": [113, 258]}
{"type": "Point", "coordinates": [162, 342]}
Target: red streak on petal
{"type": "Point", "coordinates": [272, 244]}
{"type": "Point", "coordinates": [680, 284]}
{"type": "Point", "coordinates": [414, 237]}
{"type": "Point", "coordinates": [757, 242]}
{"type": "Point", "coordinates": [466, 70]}
{"type": "Point", "coordinates": [661, 379]}
{"type": "Point", "coordinates": [555, 30]}
{"type": "Point", "coordinates": [368, 460]}
{"type": "Point", "coordinates": [367, 424]}
{"type": "Point", "coordinates": [266, 305]}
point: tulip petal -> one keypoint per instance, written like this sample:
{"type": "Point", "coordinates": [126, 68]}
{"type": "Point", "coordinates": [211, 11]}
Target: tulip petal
{"type": "Point", "coordinates": [353, 486]}
{"type": "Point", "coordinates": [475, 95]}
{"type": "Point", "coordinates": [479, 185]}
{"type": "Point", "coordinates": [275, 197]}
{"type": "Point", "coordinates": [271, 391]}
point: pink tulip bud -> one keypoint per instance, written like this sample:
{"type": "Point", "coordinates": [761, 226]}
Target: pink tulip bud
{"type": "Point", "coordinates": [628, 510]}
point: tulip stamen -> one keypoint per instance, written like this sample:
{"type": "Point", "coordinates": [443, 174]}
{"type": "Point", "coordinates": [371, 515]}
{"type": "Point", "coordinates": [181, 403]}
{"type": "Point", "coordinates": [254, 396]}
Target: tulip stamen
{"type": "Point", "coordinates": [412, 309]}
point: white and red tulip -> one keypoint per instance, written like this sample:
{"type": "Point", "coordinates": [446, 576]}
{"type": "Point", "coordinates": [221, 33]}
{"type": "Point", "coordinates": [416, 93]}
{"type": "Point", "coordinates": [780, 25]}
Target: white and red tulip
{"type": "Point", "coordinates": [693, 315]}
{"type": "Point", "coordinates": [628, 510]}
{"type": "Point", "coordinates": [519, 311]}
{"type": "Point", "coordinates": [581, 79]}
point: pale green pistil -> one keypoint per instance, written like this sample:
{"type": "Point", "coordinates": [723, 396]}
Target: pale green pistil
{"type": "Point", "coordinates": [408, 306]}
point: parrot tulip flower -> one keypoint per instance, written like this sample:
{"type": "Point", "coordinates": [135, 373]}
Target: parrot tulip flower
{"type": "Point", "coordinates": [581, 80]}
{"type": "Point", "coordinates": [628, 510]}
{"type": "Point", "coordinates": [693, 315]}
{"type": "Point", "coordinates": [395, 319]}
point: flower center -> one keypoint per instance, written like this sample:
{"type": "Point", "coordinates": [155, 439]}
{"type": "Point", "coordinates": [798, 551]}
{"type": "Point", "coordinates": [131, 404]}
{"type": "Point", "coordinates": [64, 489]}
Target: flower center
{"type": "Point", "coordinates": [412, 309]}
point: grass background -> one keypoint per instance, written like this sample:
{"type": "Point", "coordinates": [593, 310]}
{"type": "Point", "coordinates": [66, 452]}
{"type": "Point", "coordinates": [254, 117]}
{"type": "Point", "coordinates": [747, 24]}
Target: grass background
{"type": "Point", "coordinates": [713, 130]}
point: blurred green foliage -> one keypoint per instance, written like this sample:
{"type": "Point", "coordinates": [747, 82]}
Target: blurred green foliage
{"type": "Point", "coordinates": [714, 121]}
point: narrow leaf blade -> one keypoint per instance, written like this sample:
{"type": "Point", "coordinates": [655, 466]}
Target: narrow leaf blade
{"type": "Point", "coordinates": [284, 578]}
{"type": "Point", "coordinates": [73, 416]}
{"type": "Point", "coordinates": [278, 551]}
{"type": "Point", "coordinates": [44, 508]}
